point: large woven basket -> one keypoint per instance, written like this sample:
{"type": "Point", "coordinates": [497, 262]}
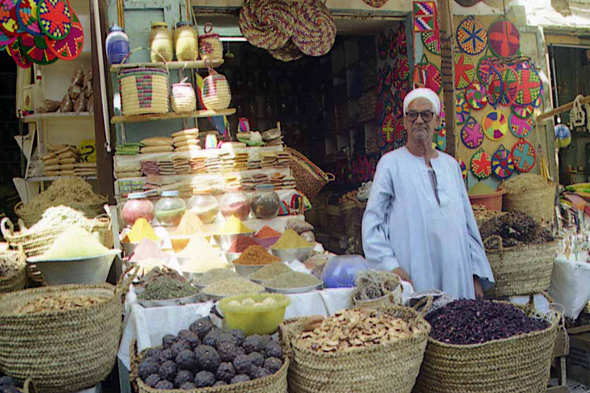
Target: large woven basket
{"type": "Point", "coordinates": [216, 93]}
{"type": "Point", "coordinates": [519, 364]}
{"type": "Point", "coordinates": [17, 280]}
{"type": "Point", "coordinates": [387, 368]}
{"type": "Point", "coordinates": [309, 178]}
{"type": "Point", "coordinates": [353, 211]}
{"type": "Point", "coordinates": [538, 203]}
{"type": "Point", "coordinates": [275, 383]}
{"type": "Point", "coordinates": [30, 218]}
{"type": "Point", "coordinates": [522, 270]}
{"type": "Point", "coordinates": [62, 351]}
{"type": "Point", "coordinates": [392, 298]}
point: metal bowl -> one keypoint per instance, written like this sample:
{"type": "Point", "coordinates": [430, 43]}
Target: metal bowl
{"type": "Point", "coordinates": [301, 254]}
{"type": "Point", "coordinates": [293, 290]}
{"type": "Point", "coordinates": [246, 270]}
{"type": "Point", "coordinates": [232, 256]}
{"type": "Point", "coordinates": [169, 302]}
{"type": "Point", "coordinates": [225, 241]}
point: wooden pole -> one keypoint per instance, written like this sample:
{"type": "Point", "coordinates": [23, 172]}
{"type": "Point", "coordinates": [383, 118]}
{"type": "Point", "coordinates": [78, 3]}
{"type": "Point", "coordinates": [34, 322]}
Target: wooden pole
{"type": "Point", "coordinates": [561, 109]}
{"type": "Point", "coordinates": [445, 15]}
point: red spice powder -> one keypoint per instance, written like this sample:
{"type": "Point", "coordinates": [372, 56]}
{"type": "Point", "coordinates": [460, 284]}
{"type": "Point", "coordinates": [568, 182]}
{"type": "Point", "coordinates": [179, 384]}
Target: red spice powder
{"type": "Point", "coordinates": [265, 232]}
{"type": "Point", "coordinates": [241, 243]}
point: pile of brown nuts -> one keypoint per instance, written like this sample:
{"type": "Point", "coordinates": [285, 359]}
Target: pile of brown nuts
{"type": "Point", "coordinates": [58, 303]}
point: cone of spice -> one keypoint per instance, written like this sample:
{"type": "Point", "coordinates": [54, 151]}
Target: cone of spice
{"type": "Point", "coordinates": [241, 244]}
{"type": "Point", "coordinates": [290, 239]}
{"type": "Point", "coordinates": [141, 230]}
{"type": "Point", "coordinates": [233, 226]}
{"type": "Point", "coordinates": [256, 256]}
{"type": "Point", "coordinates": [267, 232]}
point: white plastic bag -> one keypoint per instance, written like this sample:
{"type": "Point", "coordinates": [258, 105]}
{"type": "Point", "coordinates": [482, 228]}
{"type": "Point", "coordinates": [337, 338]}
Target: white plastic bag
{"type": "Point", "coordinates": [569, 285]}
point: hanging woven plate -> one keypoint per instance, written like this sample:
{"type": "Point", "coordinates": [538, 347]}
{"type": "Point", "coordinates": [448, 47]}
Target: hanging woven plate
{"type": "Point", "coordinates": [35, 49]}
{"type": "Point", "coordinates": [464, 70]}
{"type": "Point", "coordinates": [529, 86]}
{"type": "Point", "coordinates": [481, 164]}
{"type": "Point", "coordinates": [442, 123]}
{"type": "Point", "coordinates": [504, 38]}
{"type": "Point", "coordinates": [6, 40]}
{"type": "Point", "coordinates": [383, 78]}
{"type": "Point", "coordinates": [463, 111]}
{"type": "Point", "coordinates": [484, 68]}
{"type": "Point", "coordinates": [376, 3]}
{"type": "Point", "coordinates": [495, 89]}
{"type": "Point", "coordinates": [440, 140]}
{"type": "Point", "coordinates": [17, 55]}
{"type": "Point", "coordinates": [476, 96]}
{"type": "Point", "coordinates": [495, 125]}
{"type": "Point", "coordinates": [288, 53]}
{"type": "Point", "coordinates": [463, 168]}
{"type": "Point", "coordinates": [315, 31]}
{"type": "Point", "coordinates": [523, 156]}
{"type": "Point", "coordinates": [431, 41]}
{"type": "Point", "coordinates": [502, 165]}
{"type": "Point", "coordinates": [70, 47]}
{"type": "Point", "coordinates": [522, 112]}
{"type": "Point", "coordinates": [391, 45]}
{"type": "Point", "coordinates": [472, 37]}
{"type": "Point", "coordinates": [520, 128]}
{"type": "Point", "coordinates": [538, 102]}
{"type": "Point", "coordinates": [26, 14]}
{"type": "Point", "coordinates": [401, 70]}
{"type": "Point", "coordinates": [379, 108]}
{"type": "Point", "coordinates": [382, 46]}
{"type": "Point", "coordinates": [511, 86]}
{"type": "Point", "coordinates": [55, 18]}
{"type": "Point", "coordinates": [427, 75]}
{"type": "Point", "coordinates": [472, 134]}
{"type": "Point", "coordinates": [388, 128]}
{"type": "Point", "coordinates": [401, 41]}
{"type": "Point", "coordinates": [401, 141]}
{"type": "Point", "coordinates": [267, 24]}
{"type": "Point", "coordinates": [8, 20]}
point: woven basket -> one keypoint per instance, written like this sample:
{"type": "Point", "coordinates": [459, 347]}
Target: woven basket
{"type": "Point", "coordinates": [335, 219]}
{"type": "Point", "coordinates": [210, 46]}
{"type": "Point", "coordinates": [31, 218]}
{"type": "Point", "coordinates": [29, 387]}
{"type": "Point", "coordinates": [17, 280]}
{"type": "Point", "coordinates": [144, 90]}
{"type": "Point", "coordinates": [216, 93]}
{"type": "Point", "coordinates": [519, 364]}
{"type": "Point", "coordinates": [62, 351]}
{"type": "Point", "coordinates": [275, 383]}
{"type": "Point", "coordinates": [392, 298]}
{"type": "Point", "coordinates": [538, 203]}
{"type": "Point", "coordinates": [183, 98]}
{"type": "Point", "coordinates": [522, 270]}
{"type": "Point", "coordinates": [392, 367]}
{"type": "Point", "coordinates": [309, 178]}
{"type": "Point", "coordinates": [353, 211]}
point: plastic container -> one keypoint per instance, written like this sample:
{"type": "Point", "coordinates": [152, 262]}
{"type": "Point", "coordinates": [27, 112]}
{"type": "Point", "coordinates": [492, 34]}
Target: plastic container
{"type": "Point", "coordinates": [265, 202]}
{"type": "Point", "coordinates": [170, 209]}
{"type": "Point", "coordinates": [186, 42]}
{"type": "Point", "coordinates": [117, 45]}
{"type": "Point", "coordinates": [235, 203]}
{"type": "Point", "coordinates": [204, 205]}
{"type": "Point", "coordinates": [137, 206]}
{"type": "Point", "coordinates": [341, 271]}
{"type": "Point", "coordinates": [161, 42]}
{"type": "Point", "coordinates": [490, 201]}
{"type": "Point", "coordinates": [252, 319]}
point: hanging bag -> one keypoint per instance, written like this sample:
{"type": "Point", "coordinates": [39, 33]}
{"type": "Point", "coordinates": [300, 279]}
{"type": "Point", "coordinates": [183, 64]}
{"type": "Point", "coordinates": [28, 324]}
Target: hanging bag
{"type": "Point", "coordinates": [216, 92]}
{"type": "Point", "coordinates": [183, 97]}
{"type": "Point", "coordinates": [210, 46]}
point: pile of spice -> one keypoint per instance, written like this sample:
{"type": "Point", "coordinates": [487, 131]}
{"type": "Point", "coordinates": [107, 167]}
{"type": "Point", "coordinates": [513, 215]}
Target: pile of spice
{"type": "Point", "coordinates": [202, 256]}
{"type": "Point", "coordinates": [481, 213]}
{"type": "Point", "coordinates": [140, 230]}
{"type": "Point", "coordinates": [60, 302]}
{"type": "Point", "coordinates": [292, 280]}
{"type": "Point", "coordinates": [515, 228]}
{"type": "Point", "coordinates": [289, 240]}
{"type": "Point", "coordinates": [60, 216]}
{"type": "Point", "coordinates": [214, 275]}
{"type": "Point", "coordinates": [480, 189]}
{"type": "Point", "coordinates": [233, 286]}
{"type": "Point", "coordinates": [267, 232]}
{"type": "Point", "coordinates": [157, 272]}
{"type": "Point", "coordinates": [233, 226]}
{"type": "Point", "coordinates": [256, 255]}
{"type": "Point", "coordinates": [241, 244]}
{"type": "Point", "coordinates": [298, 225]}
{"type": "Point", "coordinates": [75, 242]}
{"type": "Point", "coordinates": [526, 182]}
{"type": "Point", "coordinates": [270, 271]}
{"type": "Point", "coordinates": [147, 249]}
{"type": "Point", "coordinates": [466, 322]}
{"type": "Point", "coordinates": [190, 224]}
{"type": "Point", "coordinates": [373, 284]}
{"type": "Point", "coordinates": [167, 288]}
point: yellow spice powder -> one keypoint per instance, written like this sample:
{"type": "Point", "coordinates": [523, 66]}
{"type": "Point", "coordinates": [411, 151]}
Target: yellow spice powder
{"type": "Point", "coordinates": [142, 230]}
{"type": "Point", "coordinates": [290, 239]}
{"type": "Point", "coordinates": [232, 226]}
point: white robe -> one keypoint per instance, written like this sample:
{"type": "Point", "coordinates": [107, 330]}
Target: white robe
{"type": "Point", "coordinates": [404, 225]}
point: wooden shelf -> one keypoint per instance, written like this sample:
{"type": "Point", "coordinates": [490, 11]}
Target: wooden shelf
{"type": "Point", "coordinates": [53, 178]}
{"type": "Point", "coordinates": [56, 116]}
{"type": "Point", "coordinates": [172, 65]}
{"type": "Point", "coordinates": [170, 116]}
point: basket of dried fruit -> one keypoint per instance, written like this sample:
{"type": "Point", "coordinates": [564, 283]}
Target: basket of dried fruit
{"type": "Point", "coordinates": [65, 338]}
{"type": "Point", "coordinates": [12, 271]}
{"type": "Point", "coordinates": [488, 346]}
{"type": "Point", "coordinates": [369, 350]}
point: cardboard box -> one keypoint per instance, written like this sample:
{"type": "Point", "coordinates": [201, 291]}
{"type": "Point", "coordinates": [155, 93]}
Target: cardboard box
{"type": "Point", "coordinates": [578, 361]}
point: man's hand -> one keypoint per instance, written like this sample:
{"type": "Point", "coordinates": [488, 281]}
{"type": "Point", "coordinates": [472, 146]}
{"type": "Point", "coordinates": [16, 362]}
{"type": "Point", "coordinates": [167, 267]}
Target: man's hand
{"type": "Point", "coordinates": [403, 275]}
{"type": "Point", "coordinates": [478, 288]}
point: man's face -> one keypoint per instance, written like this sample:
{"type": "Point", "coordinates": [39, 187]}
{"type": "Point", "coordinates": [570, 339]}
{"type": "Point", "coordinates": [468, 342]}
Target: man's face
{"type": "Point", "coordinates": [419, 129]}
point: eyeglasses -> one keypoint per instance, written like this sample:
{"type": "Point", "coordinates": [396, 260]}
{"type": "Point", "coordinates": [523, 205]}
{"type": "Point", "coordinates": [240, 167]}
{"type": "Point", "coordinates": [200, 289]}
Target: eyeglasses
{"type": "Point", "coordinates": [413, 116]}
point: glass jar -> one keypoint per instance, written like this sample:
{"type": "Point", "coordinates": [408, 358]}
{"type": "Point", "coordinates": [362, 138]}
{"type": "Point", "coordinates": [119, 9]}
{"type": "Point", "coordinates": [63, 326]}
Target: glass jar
{"type": "Point", "coordinates": [161, 42]}
{"type": "Point", "coordinates": [186, 42]}
{"type": "Point", "coordinates": [170, 209]}
{"type": "Point", "coordinates": [137, 206]}
{"type": "Point", "coordinates": [235, 202]}
{"type": "Point", "coordinates": [265, 202]}
{"type": "Point", "coordinates": [117, 45]}
{"type": "Point", "coordinates": [204, 205]}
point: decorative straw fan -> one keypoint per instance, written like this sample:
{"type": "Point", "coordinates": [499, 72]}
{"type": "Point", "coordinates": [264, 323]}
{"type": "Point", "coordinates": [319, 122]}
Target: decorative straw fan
{"type": "Point", "coordinates": [267, 24]}
{"type": "Point", "coordinates": [464, 70]}
{"type": "Point", "coordinates": [502, 165]}
{"type": "Point", "coordinates": [316, 31]}
{"type": "Point", "coordinates": [472, 134]}
{"type": "Point", "coordinates": [495, 125]}
{"type": "Point", "coordinates": [504, 38]}
{"type": "Point", "coordinates": [472, 37]}
{"type": "Point", "coordinates": [520, 128]}
{"type": "Point", "coordinates": [481, 164]}
{"type": "Point", "coordinates": [476, 96]}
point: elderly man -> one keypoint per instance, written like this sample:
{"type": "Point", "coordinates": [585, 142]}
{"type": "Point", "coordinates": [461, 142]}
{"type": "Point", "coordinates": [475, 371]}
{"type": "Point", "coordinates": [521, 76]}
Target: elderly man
{"type": "Point", "coordinates": [419, 222]}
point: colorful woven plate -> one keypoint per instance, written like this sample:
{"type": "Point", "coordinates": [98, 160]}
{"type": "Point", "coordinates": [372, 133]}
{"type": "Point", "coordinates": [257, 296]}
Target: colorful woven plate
{"type": "Point", "coordinates": [17, 55]}
{"type": "Point", "coordinates": [495, 89]}
{"type": "Point", "coordinates": [55, 18]}
{"type": "Point", "coordinates": [538, 102]}
{"type": "Point", "coordinates": [389, 128]}
{"type": "Point", "coordinates": [522, 112]}
{"type": "Point", "coordinates": [530, 86]}
{"type": "Point", "coordinates": [267, 24]}
{"type": "Point", "coordinates": [316, 31]}
{"type": "Point", "coordinates": [481, 164]}
{"type": "Point", "coordinates": [523, 156]}
{"type": "Point", "coordinates": [464, 70]}
{"type": "Point", "coordinates": [442, 123]}
{"type": "Point", "coordinates": [35, 49]}
{"type": "Point", "coordinates": [484, 69]}
{"type": "Point", "coordinates": [463, 111]}
{"type": "Point", "coordinates": [6, 40]}
{"type": "Point", "coordinates": [495, 125]}
{"type": "Point", "coordinates": [289, 52]}
{"type": "Point", "coordinates": [401, 70]}
{"type": "Point", "coordinates": [472, 37]}
{"type": "Point", "coordinates": [401, 41]}
{"type": "Point", "coordinates": [382, 46]}
{"type": "Point", "coordinates": [463, 168]}
{"type": "Point", "coordinates": [472, 134]}
{"type": "Point", "coordinates": [70, 47]}
{"type": "Point", "coordinates": [428, 75]}
{"type": "Point", "coordinates": [502, 165]}
{"type": "Point", "coordinates": [431, 41]}
{"type": "Point", "coordinates": [26, 14]}
{"type": "Point", "coordinates": [511, 86]}
{"type": "Point", "coordinates": [476, 96]}
{"type": "Point", "coordinates": [8, 20]}
{"type": "Point", "coordinates": [440, 140]}
{"type": "Point", "coordinates": [504, 38]}
{"type": "Point", "coordinates": [391, 44]}
{"type": "Point", "coordinates": [520, 128]}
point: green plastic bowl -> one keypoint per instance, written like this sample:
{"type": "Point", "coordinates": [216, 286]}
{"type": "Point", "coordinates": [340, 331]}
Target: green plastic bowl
{"type": "Point", "coordinates": [255, 320]}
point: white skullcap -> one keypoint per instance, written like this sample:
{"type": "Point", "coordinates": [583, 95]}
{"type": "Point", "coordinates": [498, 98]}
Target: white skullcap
{"type": "Point", "coordinates": [423, 92]}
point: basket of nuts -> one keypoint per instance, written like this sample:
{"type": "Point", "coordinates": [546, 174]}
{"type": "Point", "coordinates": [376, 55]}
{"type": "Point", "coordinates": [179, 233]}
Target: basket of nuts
{"type": "Point", "coordinates": [376, 351]}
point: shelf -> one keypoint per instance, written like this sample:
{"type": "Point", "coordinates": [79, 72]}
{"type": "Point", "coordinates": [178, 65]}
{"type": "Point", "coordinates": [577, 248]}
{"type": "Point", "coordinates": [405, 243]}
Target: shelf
{"type": "Point", "coordinates": [172, 65]}
{"type": "Point", "coordinates": [53, 178]}
{"type": "Point", "coordinates": [56, 116]}
{"type": "Point", "coordinates": [170, 116]}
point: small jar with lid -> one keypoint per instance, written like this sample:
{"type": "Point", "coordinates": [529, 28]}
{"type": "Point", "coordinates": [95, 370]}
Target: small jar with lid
{"type": "Point", "coordinates": [137, 206]}
{"type": "Point", "coordinates": [186, 42]}
{"type": "Point", "coordinates": [161, 43]}
{"type": "Point", "coordinates": [117, 45]}
{"type": "Point", "coordinates": [170, 209]}
{"type": "Point", "coordinates": [235, 203]}
{"type": "Point", "coordinates": [204, 205]}
{"type": "Point", "coordinates": [265, 202]}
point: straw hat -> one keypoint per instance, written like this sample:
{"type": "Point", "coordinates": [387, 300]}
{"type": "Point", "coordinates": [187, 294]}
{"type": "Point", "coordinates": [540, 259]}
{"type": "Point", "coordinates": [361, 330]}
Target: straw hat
{"type": "Point", "coordinates": [376, 3]}
{"type": "Point", "coordinates": [267, 24]}
{"type": "Point", "coordinates": [289, 52]}
{"type": "Point", "coordinates": [315, 31]}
